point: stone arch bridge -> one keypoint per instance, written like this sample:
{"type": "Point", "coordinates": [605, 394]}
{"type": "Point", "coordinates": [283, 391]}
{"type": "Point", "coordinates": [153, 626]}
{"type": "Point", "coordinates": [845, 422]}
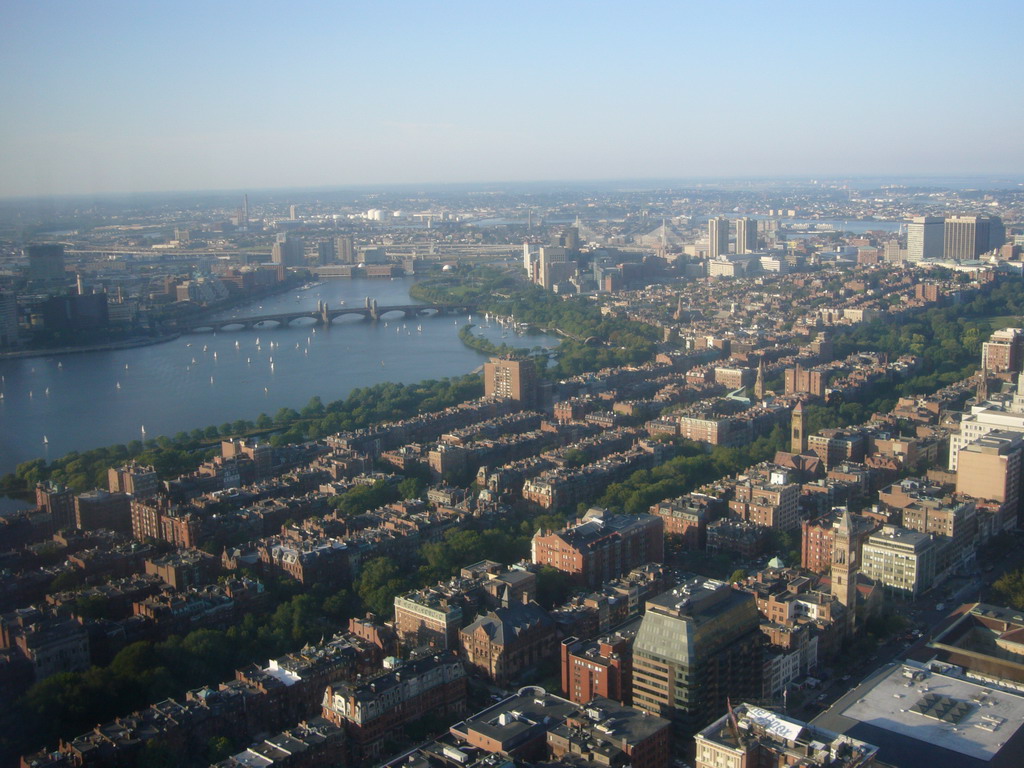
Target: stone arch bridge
{"type": "Point", "coordinates": [325, 315]}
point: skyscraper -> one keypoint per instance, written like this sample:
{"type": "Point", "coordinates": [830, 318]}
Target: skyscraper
{"type": "Point", "coordinates": [718, 237]}
{"type": "Point", "coordinates": [344, 249]}
{"type": "Point", "coordinates": [46, 263]}
{"type": "Point", "coordinates": [288, 251]}
{"type": "Point", "coordinates": [553, 266]}
{"type": "Point", "coordinates": [924, 238]}
{"type": "Point", "coordinates": [746, 235]}
{"type": "Point", "coordinates": [967, 237]}
{"type": "Point", "coordinates": [8, 319]}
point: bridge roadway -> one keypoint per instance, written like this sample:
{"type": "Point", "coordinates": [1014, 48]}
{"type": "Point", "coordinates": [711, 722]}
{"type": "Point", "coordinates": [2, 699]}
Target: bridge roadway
{"type": "Point", "coordinates": [324, 315]}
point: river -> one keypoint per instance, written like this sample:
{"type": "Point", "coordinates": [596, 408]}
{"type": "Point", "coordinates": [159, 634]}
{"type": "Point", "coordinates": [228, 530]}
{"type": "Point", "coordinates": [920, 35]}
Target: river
{"type": "Point", "coordinates": [62, 403]}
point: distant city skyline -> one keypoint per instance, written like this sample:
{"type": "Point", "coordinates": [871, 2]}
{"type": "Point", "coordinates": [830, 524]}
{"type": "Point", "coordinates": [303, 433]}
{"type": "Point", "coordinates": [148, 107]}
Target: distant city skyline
{"type": "Point", "coordinates": [117, 97]}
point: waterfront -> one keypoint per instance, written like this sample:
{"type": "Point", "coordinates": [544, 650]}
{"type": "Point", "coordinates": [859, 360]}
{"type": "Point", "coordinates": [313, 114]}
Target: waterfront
{"type": "Point", "coordinates": [61, 403]}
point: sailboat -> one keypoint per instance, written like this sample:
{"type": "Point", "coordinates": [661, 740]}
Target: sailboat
{"type": "Point", "coordinates": [45, 440]}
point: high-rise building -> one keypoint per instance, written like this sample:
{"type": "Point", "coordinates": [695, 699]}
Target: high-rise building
{"type": "Point", "coordinates": [530, 263]}
{"type": "Point", "coordinates": [553, 266]}
{"type": "Point", "coordinates": [746, 235]}
{"type": "Point", "coordinates": [344, 248]}
{"type": "Point", "coordinates": [514, 379]}
{"type": "Point", "coordinates": [46, 263]}
{"type": "Point", "coordinates": [990, 468]}
{"type": "Point", "coordinates": [293, 212]}
{"type": "Point", "coordinates": [570, 239]}
{"type": "Point", "coordinates": [698, 645]}
{"type": "Point", "coordinates": [1004, 351]}
{"type": "Point", "coordinates": [288, 251]}
{"type": "Point", "coordinates": [967, 237]}
{"type": "Point", "coordinates": [8, 319]}
{"type": "Point", "coordinates": [325, 252]}
{"type": "Point", "coordinates": [718, 237]}
{"type": "Point", "coordinates": [924, 238]}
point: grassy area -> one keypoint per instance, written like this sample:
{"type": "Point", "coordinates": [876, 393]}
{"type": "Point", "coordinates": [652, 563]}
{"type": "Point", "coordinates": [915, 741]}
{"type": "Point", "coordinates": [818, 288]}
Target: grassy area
{"type": "Point", "coordinates": [1006, 321]}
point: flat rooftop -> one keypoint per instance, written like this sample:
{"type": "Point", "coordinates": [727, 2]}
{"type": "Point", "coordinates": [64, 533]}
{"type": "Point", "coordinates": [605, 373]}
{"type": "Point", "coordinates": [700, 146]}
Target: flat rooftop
{"type": "Point", "coordinates": [921, 717]}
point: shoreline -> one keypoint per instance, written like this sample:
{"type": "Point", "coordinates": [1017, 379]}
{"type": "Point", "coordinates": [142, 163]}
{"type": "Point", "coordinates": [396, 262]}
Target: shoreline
{"type": "Point", "coordinates": [107, 347]}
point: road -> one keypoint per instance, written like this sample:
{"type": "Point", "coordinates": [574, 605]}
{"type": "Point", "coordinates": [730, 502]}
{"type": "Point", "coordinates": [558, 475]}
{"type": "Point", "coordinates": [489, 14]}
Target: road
{"type": "Point", "coordinates": [924, 615]}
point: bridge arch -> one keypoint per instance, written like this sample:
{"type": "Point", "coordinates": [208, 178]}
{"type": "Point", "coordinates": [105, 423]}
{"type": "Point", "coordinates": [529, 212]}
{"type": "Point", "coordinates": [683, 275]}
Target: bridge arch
{"type": "Point", "coordinates": [351, 316]}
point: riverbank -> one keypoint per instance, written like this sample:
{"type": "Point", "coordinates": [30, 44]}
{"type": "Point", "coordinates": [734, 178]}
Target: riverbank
{"type": "Point", "coordinates": [106, 347]}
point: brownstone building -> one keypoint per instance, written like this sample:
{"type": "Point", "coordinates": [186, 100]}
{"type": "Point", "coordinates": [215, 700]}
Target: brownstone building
{"type": "Point", "coordinates": [504, 643]}
{"type": "Point", "coordinates": [371, 709]}
{"type": "Point", "coordinates": [133, 479]}
{"type": "Point", "coordinates": [685, 519]}
{"type": "Point", "coordinates": [810, 380]}
{"type": "Point", "coordinates": [601, 546]}
{"type": "Point", "coordinates": [101, 509]}
{"type": "Point", "coordinates": [817, 539]}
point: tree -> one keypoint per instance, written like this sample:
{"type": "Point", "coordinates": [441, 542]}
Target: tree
{"type": "Point", "coordinates": [314, 408]}
{"type": "Point", "coordinates": [379, 583]}
{"type": "Point", "coordinates": [218, 748]}
{"type": "Point", "coordinates": [738, 575]}
{"type": "Point", "coordinates": [285, 416]}
{"type": "Point", "coordinates": [1011, 586]}
{"type": "Point", "coordinates": [411, 488]}
{"type": "Point", "coordinates": [264, 422]}
{"type": "Point", "coordinates": [553, 586]}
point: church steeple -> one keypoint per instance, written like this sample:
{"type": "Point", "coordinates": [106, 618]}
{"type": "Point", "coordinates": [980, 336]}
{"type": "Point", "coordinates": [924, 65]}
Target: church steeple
{"type": "Point", "coordinates": [798, 440]}
{"type": "Point", "coordinates": [759, 383]}
{"type": "Point", "coordinates": [982, 393]}
{"type": "Point", "coordinates": [844, 564]}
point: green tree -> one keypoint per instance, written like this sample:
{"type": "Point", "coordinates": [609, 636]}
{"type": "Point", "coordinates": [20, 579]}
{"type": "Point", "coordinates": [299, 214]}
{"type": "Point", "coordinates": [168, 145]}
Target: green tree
{"type": "Point", "coordinates": [218, 748]}
{"type": "Point", "coordinates": [379, 583]}
{"type": "Point", "coordinates": [411, 488]}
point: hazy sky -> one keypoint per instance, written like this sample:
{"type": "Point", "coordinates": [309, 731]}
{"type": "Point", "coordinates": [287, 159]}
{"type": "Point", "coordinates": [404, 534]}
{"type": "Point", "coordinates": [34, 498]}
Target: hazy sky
{"type": "Point", "coordinates": [179, 95]}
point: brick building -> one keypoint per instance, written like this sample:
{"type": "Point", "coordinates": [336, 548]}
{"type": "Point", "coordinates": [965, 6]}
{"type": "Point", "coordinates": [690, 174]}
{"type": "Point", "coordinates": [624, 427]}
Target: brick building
{"type": "Point", "coordinates": [506, 642]}
{"type": "Point", "coordinates": [601, 667]}
{"type": "Point", "coordinates": [601, 546]}
{"type": "Point", "coordinates": [371, 709]}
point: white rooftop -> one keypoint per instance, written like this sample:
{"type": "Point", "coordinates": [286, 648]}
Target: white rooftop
{"type": "Point", "coordinates": [978, 720]}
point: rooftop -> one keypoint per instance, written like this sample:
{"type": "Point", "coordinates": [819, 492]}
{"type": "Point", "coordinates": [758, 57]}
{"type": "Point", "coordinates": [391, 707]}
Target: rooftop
{"type": "Point", "coordinates": [921, 717]}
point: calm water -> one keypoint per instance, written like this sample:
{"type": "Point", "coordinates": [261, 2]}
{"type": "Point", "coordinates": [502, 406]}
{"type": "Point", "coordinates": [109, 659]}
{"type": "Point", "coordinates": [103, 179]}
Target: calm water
{"type": "Point", "coordinates": [53, 405]}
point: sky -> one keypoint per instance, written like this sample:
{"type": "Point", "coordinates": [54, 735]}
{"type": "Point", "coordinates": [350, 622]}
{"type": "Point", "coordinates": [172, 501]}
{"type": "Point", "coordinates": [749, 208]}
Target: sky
{"type": "Point", "coordinates": [108, 96]}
